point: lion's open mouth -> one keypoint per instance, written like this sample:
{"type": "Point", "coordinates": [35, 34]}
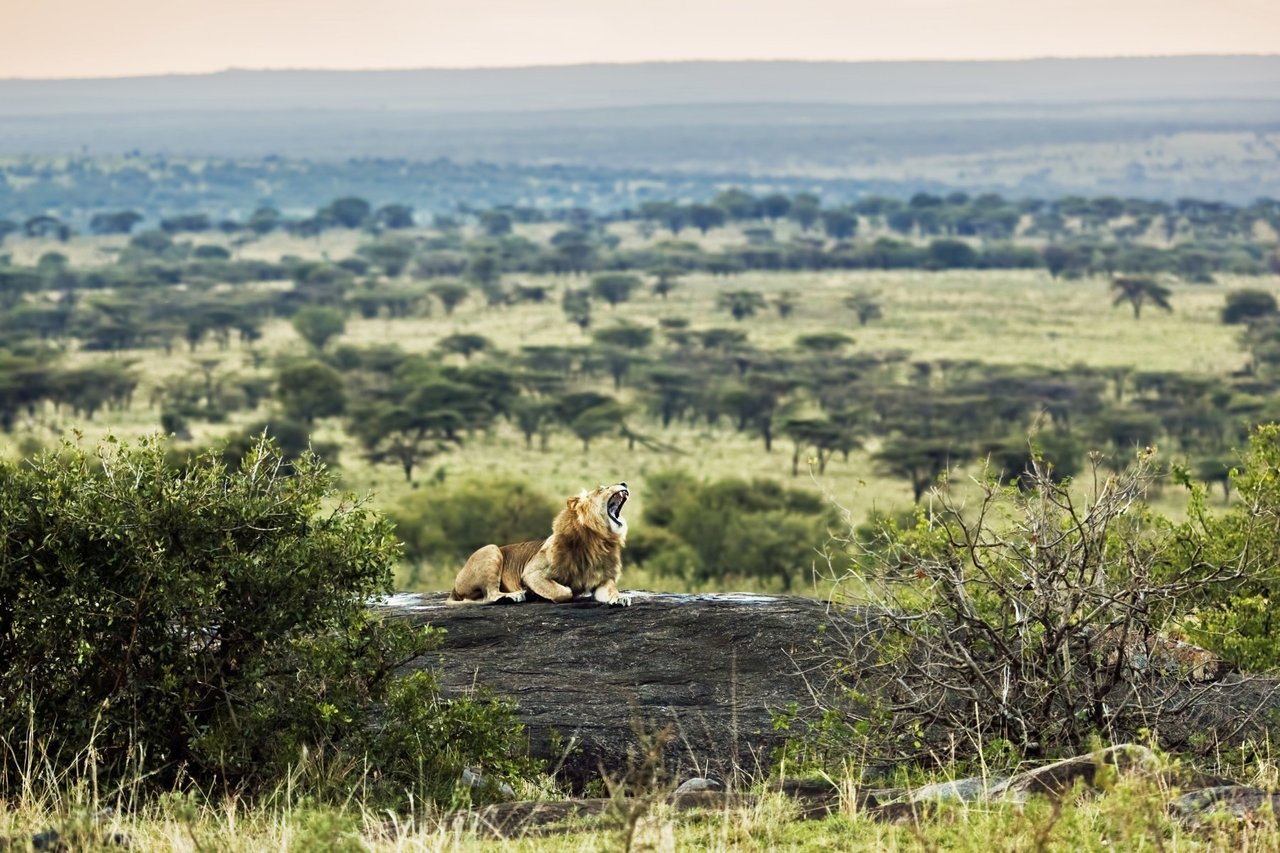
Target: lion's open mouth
{"type": "Point", "coordinates": [614, 506]}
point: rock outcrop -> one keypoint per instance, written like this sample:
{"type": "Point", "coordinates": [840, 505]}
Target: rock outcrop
{"type": "Point", "coordinates": [715, 668]}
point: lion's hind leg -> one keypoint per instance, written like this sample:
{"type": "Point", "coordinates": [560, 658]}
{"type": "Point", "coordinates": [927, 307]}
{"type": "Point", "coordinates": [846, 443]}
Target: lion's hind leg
{"type": "Point", "coordinates": [480, 581]}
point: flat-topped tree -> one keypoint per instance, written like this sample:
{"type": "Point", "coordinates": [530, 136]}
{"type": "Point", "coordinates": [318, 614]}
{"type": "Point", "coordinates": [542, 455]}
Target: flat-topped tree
{"type": "Point", "coordinates": [318, 324]}
{"type": "Point", "coordinates": [741, 304]}
{"type": "Point", "coordinates": [865, 306]}
{"type": "Point", "coordinates": [614, 288]}
{"type": "Point", "coordinates": [450, 293]}
{"type": "Point", "coordinates": [1138, 291]}
{"type": "Point", "coordinates": [919, 461]}
{"type": "Point", "coordinates": [405, 434]}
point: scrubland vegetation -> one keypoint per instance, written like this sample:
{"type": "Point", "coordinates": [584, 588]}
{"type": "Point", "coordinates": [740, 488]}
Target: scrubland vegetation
{"type": "Point", "coordinates": [962, 398]}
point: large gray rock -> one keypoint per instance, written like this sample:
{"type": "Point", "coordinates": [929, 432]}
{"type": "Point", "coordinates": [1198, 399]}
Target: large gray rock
{"type": "Point", "coordinates": [716, 669]}
{"type": "Point", "coordinates": [713, 667]}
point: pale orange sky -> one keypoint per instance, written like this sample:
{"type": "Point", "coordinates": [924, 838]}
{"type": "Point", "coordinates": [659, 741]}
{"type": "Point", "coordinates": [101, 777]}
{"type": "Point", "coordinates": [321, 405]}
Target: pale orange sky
{"type": "Point", "coordinates": [86, 38]}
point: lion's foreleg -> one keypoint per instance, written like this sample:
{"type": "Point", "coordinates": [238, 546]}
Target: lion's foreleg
{"type": "Point", "coordinates": [535, 578]}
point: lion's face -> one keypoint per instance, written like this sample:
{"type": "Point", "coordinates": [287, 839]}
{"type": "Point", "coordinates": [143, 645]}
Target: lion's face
{"type": "Point", "coordinates": [601, 509]}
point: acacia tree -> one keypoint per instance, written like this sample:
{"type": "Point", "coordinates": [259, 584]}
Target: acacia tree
{"type": "Point", "coordinates": [348, 211]}
{"type": "Point", "coordinates": [865, 306]}
{"type": "Point", "coordinates": [450, 293]}
{"type": "Point", "coordinates": [405, 434]}
{"type": "Point", "coordinates": [1138, 292]}
{"type": "Point", "coordinates": [741, 304]}
{"type": "Point", "coordinates": [756, 405]}
{"type": "Point", "coordinates": [464, 344]}
{"type": "Point", "coordinates": [1248, 305]}
{"type": "Point", "coordinates": [310, 389]}
{"type": "Point", "coordinates": [614, 288]}
{"type": "Point", "coordinates": [595, 422]}
{"type": "Point", "coordinates": [318, 324]}
{"type": "Point", "coordinates": [919, 461]}
{"type": "Point", "coordinates": [704, 217]}
{"type": "Point", "coordinates": [819, 433]}
{"type": "Point", "coordinates": [785, 303]}
{"type": "Point", "coordinates": [589, 415]}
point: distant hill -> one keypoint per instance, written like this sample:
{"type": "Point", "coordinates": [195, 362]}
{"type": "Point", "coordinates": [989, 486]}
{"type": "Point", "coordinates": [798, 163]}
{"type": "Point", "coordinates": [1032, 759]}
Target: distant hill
{"type": "Point", "coordinates": [1206, 126]}
{"type": "Point", "coordinates": [573, 87]}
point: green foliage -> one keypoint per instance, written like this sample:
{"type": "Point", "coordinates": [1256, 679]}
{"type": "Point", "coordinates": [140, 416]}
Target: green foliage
{"type": "Point", "coordinates": [1245, 306]}
{"type": "Point", "coordinates": [614, 288]}
{"type": "Point", "coordinates": [865, 306]}
{"type": "Point", "coordinates": [317, 325]}
{"type": "Point", "coordinates": [1040, 617]}
{"type": "Point", "coordinates": [446, 524]}
{"type": "Point", "coordinates": [348, 212]}
{"type": "Point", "coordinates": [292, 438]}
{"type": "Point", "coordinates": [212, 626]}
{"type": "Point", "coordinates": [1239, 623]}
{"type": "Point", "coordinates": [732, 529]}
{"type": "Point", "coordinates": [464, 344]}
{"type": "Point", "coordinates": [741, 303]}
{"type": "Point", "coordinates": [577, 307]}
{"type": "Point", "coordinates": [450, 293]}
{"type": "Point", "coordinates": [390, 255]}
{"type": "Point", "coordinates": [310, 389]}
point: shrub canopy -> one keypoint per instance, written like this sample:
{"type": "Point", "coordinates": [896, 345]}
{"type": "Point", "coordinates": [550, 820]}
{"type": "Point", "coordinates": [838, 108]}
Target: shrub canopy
{"type": "Point", "coordinates": [211, 626]}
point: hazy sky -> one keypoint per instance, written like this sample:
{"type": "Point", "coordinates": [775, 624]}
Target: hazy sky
{"type": "Point", "coordinates": [82, 38]}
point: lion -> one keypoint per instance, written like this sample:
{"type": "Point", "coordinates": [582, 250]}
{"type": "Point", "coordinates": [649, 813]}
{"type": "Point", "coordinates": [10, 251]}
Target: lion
{"type": "Point", "coordinates": [583, 554]}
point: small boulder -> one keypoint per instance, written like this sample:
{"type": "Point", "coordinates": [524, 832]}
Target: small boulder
{"type": "Point", "coordinates": [699, 783]}
{"type": "Point", "coordinates": [968, 790]}
{"type": "Point", "coordinates": [1061, 776]}
{"type": "Point", "coordinates": [1240, 801]}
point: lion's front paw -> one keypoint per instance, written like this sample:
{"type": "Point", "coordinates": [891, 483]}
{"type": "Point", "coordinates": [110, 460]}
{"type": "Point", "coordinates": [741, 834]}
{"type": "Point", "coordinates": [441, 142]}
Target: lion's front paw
{"type": "Point", "coordinates": [518, 597]}
{"type": "Point", "coordinates": [622, 600]}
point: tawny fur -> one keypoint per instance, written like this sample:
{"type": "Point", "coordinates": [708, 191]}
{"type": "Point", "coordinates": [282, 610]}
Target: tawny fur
{"type": "Point", "coordinates": [582, 554]}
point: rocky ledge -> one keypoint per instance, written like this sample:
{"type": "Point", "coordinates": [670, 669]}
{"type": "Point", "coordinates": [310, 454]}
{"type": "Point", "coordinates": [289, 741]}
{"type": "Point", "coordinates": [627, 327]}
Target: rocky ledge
{"type": "Point", "coordinates": [715, 669]}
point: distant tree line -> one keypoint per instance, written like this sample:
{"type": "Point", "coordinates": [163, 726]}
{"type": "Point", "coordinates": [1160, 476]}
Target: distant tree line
{"type": "Point", "coordinates": [818, 396]}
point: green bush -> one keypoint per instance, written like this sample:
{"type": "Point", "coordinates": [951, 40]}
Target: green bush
{"type": "Point", "coordinates": [1244, 306]}
{"type": "Point", "coordinates": [210, 626]}
{"type": "Point", "coordinates": [733, 529]}
{"type": "Point", "coordinates": [1240, 622]}
{"type": "Point", "coordinates": [446, 524]}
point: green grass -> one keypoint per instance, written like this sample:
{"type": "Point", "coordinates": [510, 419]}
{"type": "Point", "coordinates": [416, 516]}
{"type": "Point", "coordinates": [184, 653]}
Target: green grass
{"type": "Point", "coordinates": [1131, 816]}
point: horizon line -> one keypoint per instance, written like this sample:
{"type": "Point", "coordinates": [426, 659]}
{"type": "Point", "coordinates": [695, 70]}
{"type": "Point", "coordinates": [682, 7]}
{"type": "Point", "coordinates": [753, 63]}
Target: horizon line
{"type": "Point", "coordinates": [604, 63]}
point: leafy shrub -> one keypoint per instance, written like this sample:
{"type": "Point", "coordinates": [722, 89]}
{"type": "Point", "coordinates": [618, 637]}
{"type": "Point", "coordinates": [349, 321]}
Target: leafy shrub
{"type": "Point", "coordinates": [1244, 306]}
{"type": "Point", "coordinates": [732, 528]}
{"type": "Point", "coordinates": [446, 524]}
{"type": "Point", "coordinates": [211, 626]}
{"type": "Point", "coordinates": [1239, 622]}
{"type": "Point", "coordinates": [1037, 615]}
